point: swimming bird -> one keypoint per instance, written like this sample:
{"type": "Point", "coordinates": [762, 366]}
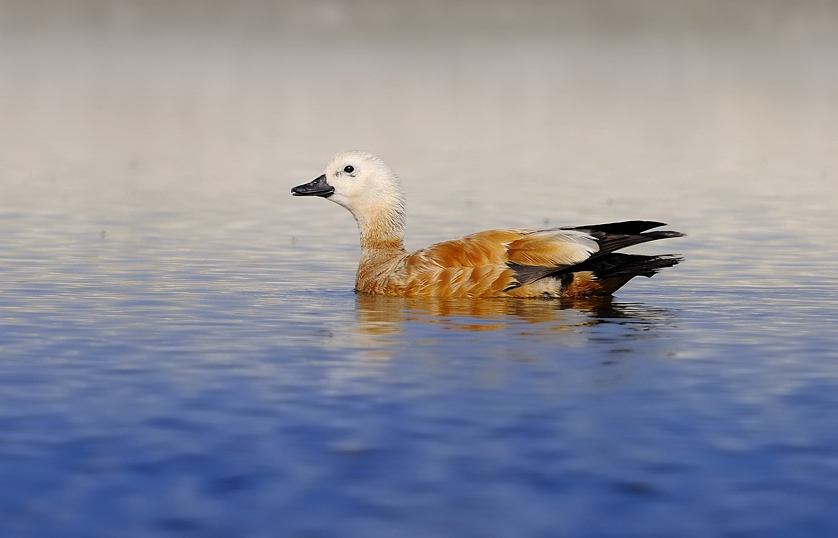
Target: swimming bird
{"type": "Point", "coordinates": [566, 263]}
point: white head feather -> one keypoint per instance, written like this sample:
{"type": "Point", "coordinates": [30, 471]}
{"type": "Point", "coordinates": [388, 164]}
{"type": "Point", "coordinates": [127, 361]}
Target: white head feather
{"type": "Point", "coordinates": [370, 190]}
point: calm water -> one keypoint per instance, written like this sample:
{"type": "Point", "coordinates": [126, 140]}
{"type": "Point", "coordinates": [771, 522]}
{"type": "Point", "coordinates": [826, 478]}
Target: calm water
{"type": "Point", "coordinates": [181, 352]}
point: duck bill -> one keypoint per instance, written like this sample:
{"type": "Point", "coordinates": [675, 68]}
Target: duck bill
{"type": "Point", "coordinates": [318, 187]}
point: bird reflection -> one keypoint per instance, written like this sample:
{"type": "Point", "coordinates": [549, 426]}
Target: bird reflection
{"type": "Point", "coordinates": [384, 316]}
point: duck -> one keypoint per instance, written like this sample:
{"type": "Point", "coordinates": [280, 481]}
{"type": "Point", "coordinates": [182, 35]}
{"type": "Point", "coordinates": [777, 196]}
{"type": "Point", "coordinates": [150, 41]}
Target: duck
{"type": "Point", "coordinates": [566, 263]}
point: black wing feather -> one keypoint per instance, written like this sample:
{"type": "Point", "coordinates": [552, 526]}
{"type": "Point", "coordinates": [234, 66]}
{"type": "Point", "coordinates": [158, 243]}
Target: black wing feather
{"type": "Point", "coordinates": [618, 235]}
{"type": "Point", "coordinates": [610, 237]}
{"type": "Point", "coordinates": [627, 227]}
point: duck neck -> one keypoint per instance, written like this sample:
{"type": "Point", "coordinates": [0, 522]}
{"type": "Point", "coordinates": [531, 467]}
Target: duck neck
{"type": "Point", "coordinates": [381, 232]}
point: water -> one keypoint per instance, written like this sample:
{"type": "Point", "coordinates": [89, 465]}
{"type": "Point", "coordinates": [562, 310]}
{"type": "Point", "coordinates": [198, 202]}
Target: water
{"type": "Point", "coordinates": [181, 352]}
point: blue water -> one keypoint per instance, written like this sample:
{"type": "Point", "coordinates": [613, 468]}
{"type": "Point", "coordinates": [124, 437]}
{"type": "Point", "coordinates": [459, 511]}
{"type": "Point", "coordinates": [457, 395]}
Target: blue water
{"type": "Point", "coordinates": [181, 351]}
{"type": "Point", "coordinates": [149, 389]}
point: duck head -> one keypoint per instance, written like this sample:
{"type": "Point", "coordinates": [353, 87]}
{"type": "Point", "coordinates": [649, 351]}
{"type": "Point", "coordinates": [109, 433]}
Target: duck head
{"type": "Point", "coordinates": [367, 187]}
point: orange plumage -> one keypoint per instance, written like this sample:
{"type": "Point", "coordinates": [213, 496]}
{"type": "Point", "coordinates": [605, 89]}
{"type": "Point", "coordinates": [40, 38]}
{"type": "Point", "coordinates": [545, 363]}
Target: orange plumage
{"type": "Point", "coordinates": [558, 262]}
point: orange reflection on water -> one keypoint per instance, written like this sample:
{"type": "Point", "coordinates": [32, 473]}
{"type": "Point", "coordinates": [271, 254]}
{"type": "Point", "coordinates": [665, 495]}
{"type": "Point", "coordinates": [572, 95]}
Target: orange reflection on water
{"type": "Point", "coordinates": [383, 316]}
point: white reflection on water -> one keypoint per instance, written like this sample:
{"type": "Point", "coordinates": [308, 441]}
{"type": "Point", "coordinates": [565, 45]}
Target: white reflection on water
{"type": "Point", "coordinates": [182, 351]}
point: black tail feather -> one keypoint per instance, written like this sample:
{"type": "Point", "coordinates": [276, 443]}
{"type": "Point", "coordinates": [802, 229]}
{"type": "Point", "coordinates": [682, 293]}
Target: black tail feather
{"type": "Point", "coordinates": [630, 265]}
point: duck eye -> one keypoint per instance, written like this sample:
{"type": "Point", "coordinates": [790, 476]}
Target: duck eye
{"type": "Point", "coordinates": [348, 169]}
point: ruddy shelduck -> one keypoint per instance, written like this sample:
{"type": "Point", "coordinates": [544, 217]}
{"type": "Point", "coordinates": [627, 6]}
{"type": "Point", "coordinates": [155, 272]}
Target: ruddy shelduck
{"type": "Point", "coordinates": [567, 263]}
